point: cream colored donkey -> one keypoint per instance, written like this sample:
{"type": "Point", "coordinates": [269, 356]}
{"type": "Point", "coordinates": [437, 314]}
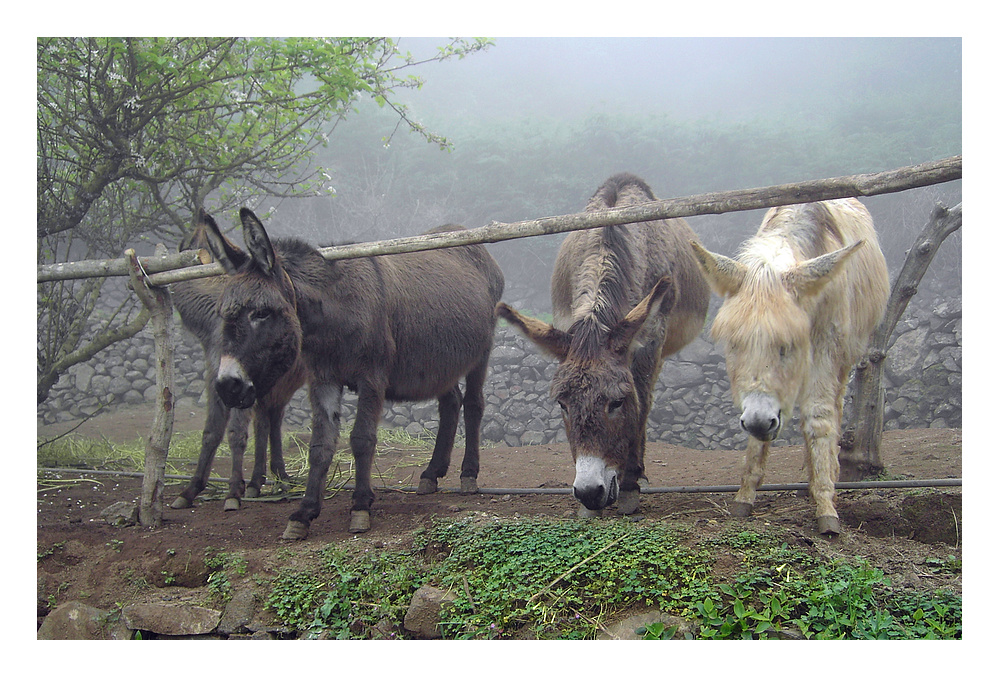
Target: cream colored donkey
{"type": "Point", "coordinates": [800, 302]}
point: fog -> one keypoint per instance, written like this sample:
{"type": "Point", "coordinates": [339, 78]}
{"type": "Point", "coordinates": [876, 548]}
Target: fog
{"type": "Point", "coordinates": [537, 124]}
{"type": "Point", "coordinates": [730, 79]}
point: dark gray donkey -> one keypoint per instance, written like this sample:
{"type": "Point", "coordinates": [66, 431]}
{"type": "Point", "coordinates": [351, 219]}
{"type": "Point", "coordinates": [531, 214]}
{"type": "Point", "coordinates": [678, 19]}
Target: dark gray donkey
{"type": "Point", "coordinates": [197, 303]}
{"type": "Point", "coordinates": [623, 298]}
{"type": "Point", "coordinates": [405, 327]}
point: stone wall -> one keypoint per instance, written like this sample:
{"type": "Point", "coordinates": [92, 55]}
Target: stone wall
{"type": "Point", "coordinates": [693, 405]}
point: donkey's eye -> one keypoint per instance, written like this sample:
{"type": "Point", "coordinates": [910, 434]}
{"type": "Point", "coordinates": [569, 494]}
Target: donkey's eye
{"type": "Point", "coordinates": [260, 315]}
{"type": "Point", "coordinates": [614, 405]}
{"type": "Point", "coordinates": [562, 405]}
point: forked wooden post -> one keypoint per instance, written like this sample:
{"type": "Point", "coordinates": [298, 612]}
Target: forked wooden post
{"type": "Point", "coordinates": [860, 443]}
{"type": "Point", "coordinates": [160, 307]}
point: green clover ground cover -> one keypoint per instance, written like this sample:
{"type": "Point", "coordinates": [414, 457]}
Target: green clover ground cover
{"type": "Point", "coordinates": [563, 579]}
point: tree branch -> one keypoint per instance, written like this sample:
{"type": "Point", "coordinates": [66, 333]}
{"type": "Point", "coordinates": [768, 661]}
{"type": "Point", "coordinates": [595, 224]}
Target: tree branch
{"type": "Point", "coordinates": [860, 442]}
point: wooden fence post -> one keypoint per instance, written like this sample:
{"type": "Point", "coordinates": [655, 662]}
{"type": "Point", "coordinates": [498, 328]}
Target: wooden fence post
{"type": "Point", "coordinates": [860, 442]}
{"type": "Point", "coordinates": [160, 307]}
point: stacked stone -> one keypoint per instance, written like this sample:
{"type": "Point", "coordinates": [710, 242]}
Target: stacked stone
{"type": "Point", "coordinates": [693, 405]}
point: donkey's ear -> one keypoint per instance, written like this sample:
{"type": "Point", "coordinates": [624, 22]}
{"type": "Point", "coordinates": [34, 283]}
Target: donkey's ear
{"type": "Point", "coordinates": [225, 252]}
{"type": "Point", "coordinates": [809, 277]}
{"type": "Point", "coordinates": [553, 341]}
{"type": "Point", "coordinates": [659, 302]}
{"type": "Point", "coordinates": [724, 275]}
{"type": "Point", "coordinates": [257, 241]}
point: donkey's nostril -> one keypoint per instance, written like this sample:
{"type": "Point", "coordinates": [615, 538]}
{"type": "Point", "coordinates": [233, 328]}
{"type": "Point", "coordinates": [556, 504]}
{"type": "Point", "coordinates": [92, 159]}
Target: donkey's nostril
{"type": "Point", "coordinates": [592, 496]}
{"type": "Point", "coordinates": [761, 424]}
{"type": "Point", "coordinates": [235, 392]}
{"type": "Point", "coordinates": [233, 384]}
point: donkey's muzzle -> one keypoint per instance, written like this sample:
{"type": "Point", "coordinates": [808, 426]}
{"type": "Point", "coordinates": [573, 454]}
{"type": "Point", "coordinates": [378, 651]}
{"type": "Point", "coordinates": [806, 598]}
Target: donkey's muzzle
{"type": "Point", "coordinates": [761, 416]}
{"type": "Point", "coordinates": [236, 394]}
{"type": "Point", "coordinates": [234, 386]}
{"type": "Point", "coordinates": [596, 485]}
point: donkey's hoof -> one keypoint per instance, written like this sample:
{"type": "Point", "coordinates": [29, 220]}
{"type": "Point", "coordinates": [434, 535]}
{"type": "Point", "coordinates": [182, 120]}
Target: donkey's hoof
{"type": "Point", "coordinates": [360, 521]}
{"type": "Point", "coordinates": [427, 486]}
{"type": "Point", "coordinates": [469, 486]}
{"type": "Point", "coordinates": [231, 504]}
{"type": "Point", "coordinates": [627, 502]}
{"type": "Point", "coordinates": [295, 531]}
{"type": "Point", "coordinates": [252, 492]}
{"type": "Point", "coordinates": [586, 514]}
{"type": "Point", "coordinates": [180, 503]}
{"type": "Point", "coordinates": [828, 525]}
{"type": "Point", "coordinates": [740, 509]}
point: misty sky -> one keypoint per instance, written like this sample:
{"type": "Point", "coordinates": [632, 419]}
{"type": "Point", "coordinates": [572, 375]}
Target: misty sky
{"type": "Point", "coordinates": [728, 79]}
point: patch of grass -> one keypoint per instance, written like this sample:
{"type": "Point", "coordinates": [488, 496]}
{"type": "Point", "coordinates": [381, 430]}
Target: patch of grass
{"type": "Point", "coordinates": [951, 565]}
{"type": "Point", "coordinates": [560, 579]}
{"type": "Point", "coordinates": [838, 600]}
{"type": "Point", "coordinates": [296, 452]}
{"type": "Point", "coordinates": [75, 451]}
{"type": "Point", "coordinates": [222, 567]}
{"type": "Point", "coordinates": [566, 579]}
{"type": "Point", "coordinates": [348, 595]}
{"type": "Point", "coordinates": [53, 549]}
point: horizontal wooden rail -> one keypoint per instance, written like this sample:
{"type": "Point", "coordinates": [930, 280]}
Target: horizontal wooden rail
{"type": "Point", "coordinates": [893, 181]}
{"type": "Point", "coordinates": [78, 270]}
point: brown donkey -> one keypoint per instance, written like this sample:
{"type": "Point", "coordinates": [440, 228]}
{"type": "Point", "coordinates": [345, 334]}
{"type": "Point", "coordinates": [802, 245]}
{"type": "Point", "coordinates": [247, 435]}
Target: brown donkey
{"type": "Point", "coordinates": [197, 303]}
{"type": "Point", "coordinates": [801, 301]}
{"type": "Point", "coordinates": [623, 298]}
{"type": "Point", "coordinates": [404, 327]}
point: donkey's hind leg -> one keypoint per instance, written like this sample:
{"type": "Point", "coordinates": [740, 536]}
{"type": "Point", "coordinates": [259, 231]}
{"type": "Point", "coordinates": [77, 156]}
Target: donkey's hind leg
{"type": "Point", "coordinates": [475, 405]}
{"type": "Point", "coordinates": [448, 407]}
{"type": "Point", "coordinates": [277, 449]}
{"type": "Point", "coordinates": [267, 428]}
{"type": "Point", "coordinates": [261, 435]}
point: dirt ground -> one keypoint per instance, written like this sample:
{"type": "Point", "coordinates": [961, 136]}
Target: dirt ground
{"type": "Point", "coordinates": [82, 557]}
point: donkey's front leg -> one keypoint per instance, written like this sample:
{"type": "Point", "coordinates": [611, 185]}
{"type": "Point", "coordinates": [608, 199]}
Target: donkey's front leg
{"type": "Point", "coordinates": [752, 477]}
{"type": "Point", "coordinates": [216, 420]}
{"type": "Point", "coordinates": [822, 457]}
{"type": "Point", "coordinates": [821, 418]}
{"type": "Point", "coordinates": [237, 432]}
{"type": "Point", "coordinates": [363, 438]}
{"type": "Point", "coordinates": [325, 399]}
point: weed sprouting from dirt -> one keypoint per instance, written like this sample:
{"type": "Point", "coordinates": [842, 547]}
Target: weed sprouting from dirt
{"type": "Point", "coordinates": [223, 566]}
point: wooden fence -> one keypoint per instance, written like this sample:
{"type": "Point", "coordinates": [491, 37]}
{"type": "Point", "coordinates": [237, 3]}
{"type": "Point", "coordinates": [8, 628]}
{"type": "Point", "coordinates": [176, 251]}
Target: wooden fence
{"type": "Point", "coordinates": [149, 274]}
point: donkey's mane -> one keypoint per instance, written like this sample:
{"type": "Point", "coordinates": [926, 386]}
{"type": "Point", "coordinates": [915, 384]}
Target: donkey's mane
{"type": "Point", "coordinates": [609, 268]}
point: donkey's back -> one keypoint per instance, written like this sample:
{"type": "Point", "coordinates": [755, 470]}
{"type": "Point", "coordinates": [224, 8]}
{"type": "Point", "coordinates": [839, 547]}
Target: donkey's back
{"type": "Point", "coordinates": [609, 270]}
{"type": "Point", "coordinates": [855, 301]}
{"type": "Point", "coordinates": [429, 314]}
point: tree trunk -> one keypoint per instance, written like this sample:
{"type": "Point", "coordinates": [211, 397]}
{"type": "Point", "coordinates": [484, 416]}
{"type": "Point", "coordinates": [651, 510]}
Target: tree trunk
{"type": "Point", "coordinates": [157, 302]}
{"type": "Point", "coordinates": [860, 443]}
